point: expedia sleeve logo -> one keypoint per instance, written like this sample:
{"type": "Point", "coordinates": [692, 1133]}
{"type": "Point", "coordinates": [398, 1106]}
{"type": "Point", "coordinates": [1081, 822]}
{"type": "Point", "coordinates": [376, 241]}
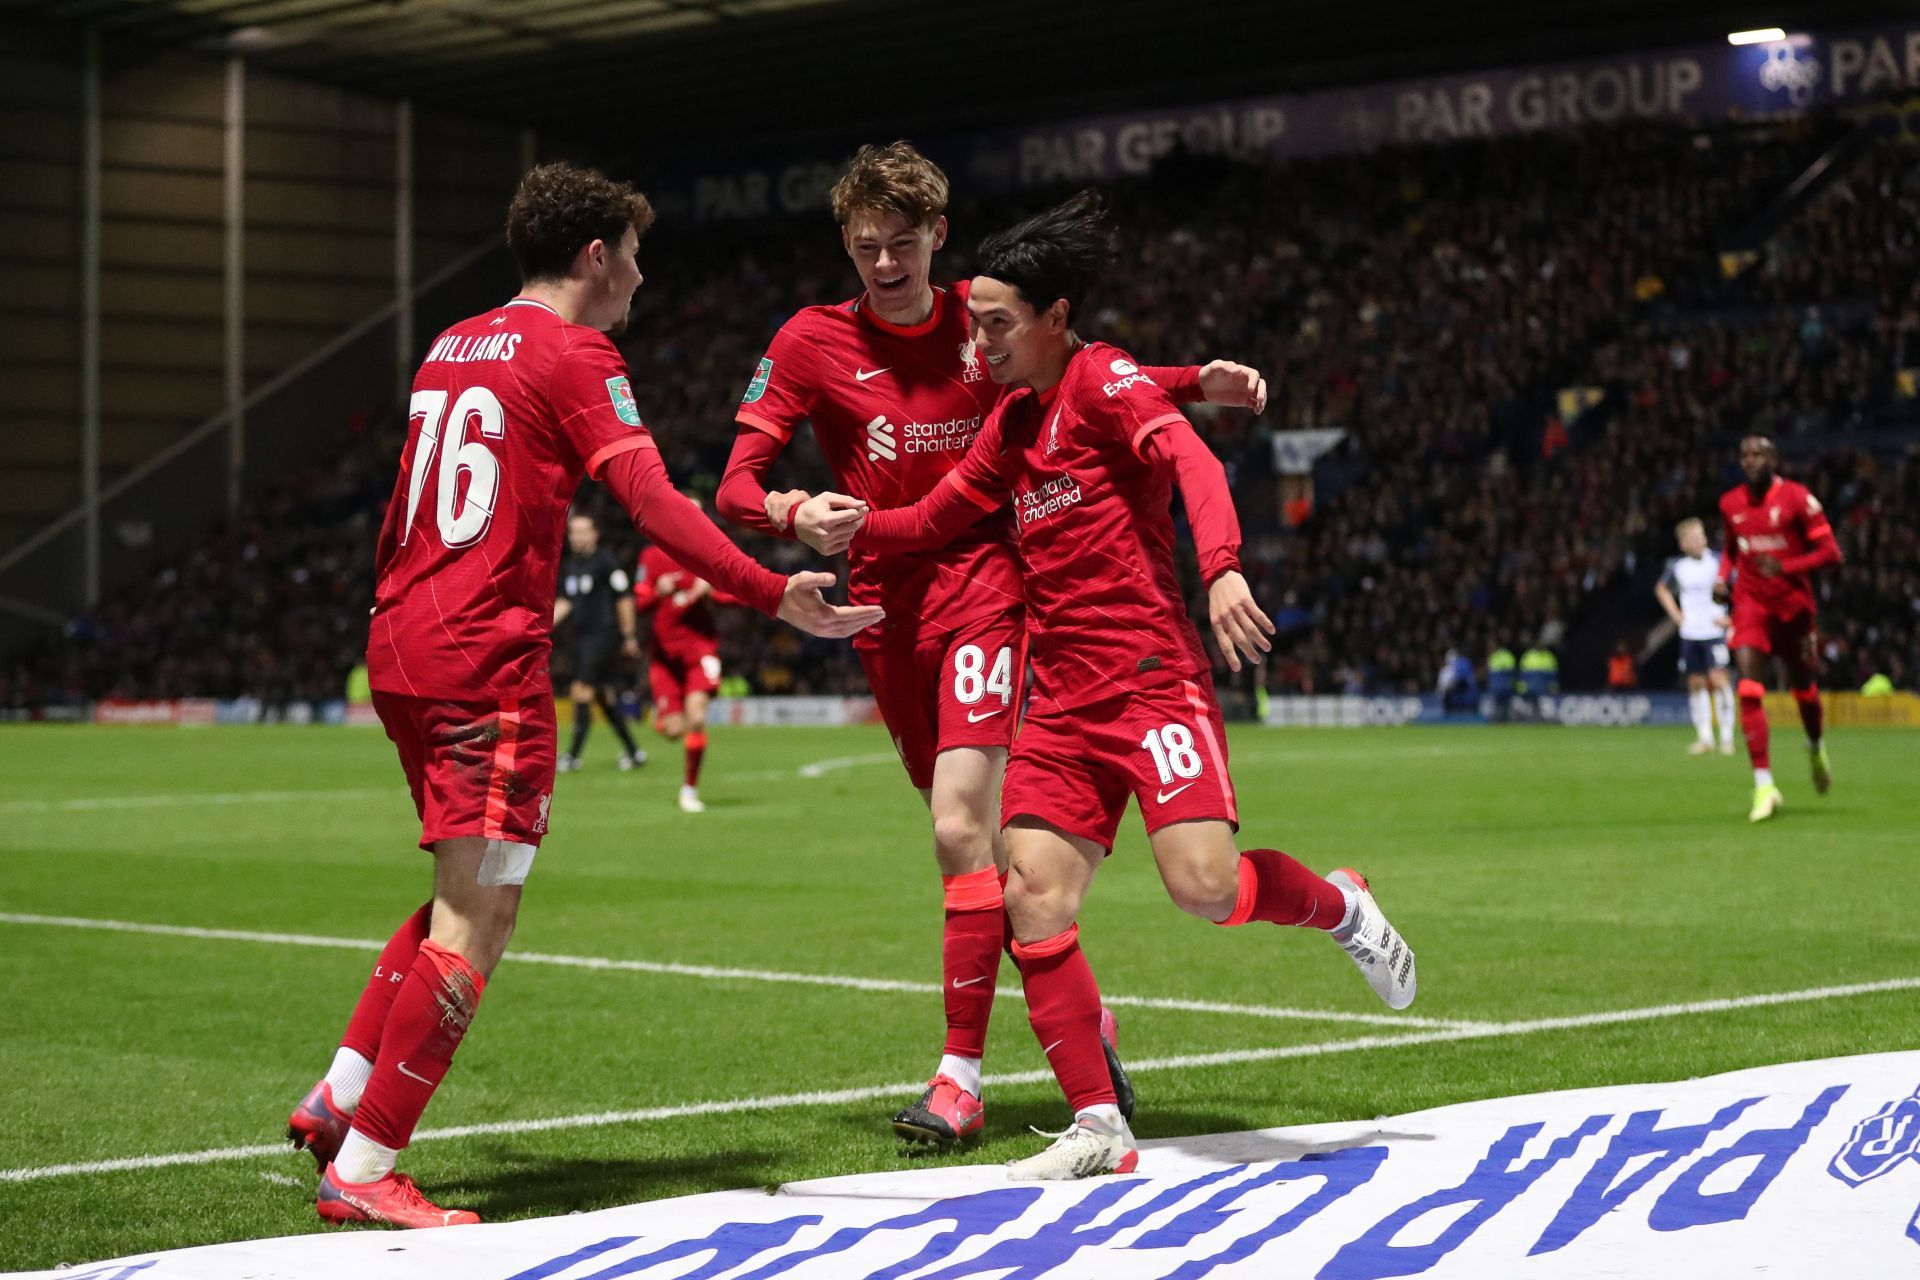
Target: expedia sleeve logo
{"type": "Point", "coordinates": [620, 391]}
{"type": "Point", "coordinates": [758, 387]}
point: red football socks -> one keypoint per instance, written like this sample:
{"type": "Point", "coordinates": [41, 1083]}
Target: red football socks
{"type": "Point", "coordinates": [1281, 890]}
{"type": "Point", "coordinates": [1753, 719]}
{"type": "Point", "coordinates": [970, 957]}
{"type": "Point", "coordinates": [389, 972]}
{"type": "Point", "coordinates": [430, 1015]}
{"type": "Point", "coordinates": [1063, 1004]}
{"type": "Point", "coordinates": [1812, 718]}
{"type": "Point", "coordinates": [696, 752]}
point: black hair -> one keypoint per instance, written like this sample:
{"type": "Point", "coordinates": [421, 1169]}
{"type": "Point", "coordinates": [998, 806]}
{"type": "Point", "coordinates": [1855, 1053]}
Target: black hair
{"type": "Point", "coordinates": [1058, 253]}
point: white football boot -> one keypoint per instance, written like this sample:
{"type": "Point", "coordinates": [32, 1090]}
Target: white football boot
{"type": "Point", "coordinates": [690, 800]}
{"type": "Point", "coordinates": [1087, 1150]}
{"type": "Point", "coordinates": [1376, 946]}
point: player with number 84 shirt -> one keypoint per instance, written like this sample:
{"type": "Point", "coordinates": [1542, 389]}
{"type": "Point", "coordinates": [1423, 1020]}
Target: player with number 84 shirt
{"type": "Point", "coordinates": [895, 394]}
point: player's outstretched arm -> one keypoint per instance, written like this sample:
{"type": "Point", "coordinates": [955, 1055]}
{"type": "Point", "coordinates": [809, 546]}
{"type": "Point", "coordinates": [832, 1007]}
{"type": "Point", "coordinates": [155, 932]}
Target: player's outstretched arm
{"type": "Point", "coordinates": [802, 606]}
{"type": "Point", "coordinates": [743, 497]}
{"type": "Point", "coordinates": [934, 521]}
{"type": "Point", "coordinates": [639, 480]}
{"type": "Point", "coordinates": [1221, 382]}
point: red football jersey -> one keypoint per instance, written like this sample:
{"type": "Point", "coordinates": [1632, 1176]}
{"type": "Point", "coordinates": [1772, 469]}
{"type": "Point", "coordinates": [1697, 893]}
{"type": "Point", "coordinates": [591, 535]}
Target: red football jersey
{"type": "Point", "coordinates": [679, 630]}
{"type": "Point", "coordinates": [1784, 522]}
{"type": "Point", "coordinates": [894, 409]}
{"type": "Point", "coordinates": [1105, 612]}
{"type": "Point", "coordinates": [509, 410]}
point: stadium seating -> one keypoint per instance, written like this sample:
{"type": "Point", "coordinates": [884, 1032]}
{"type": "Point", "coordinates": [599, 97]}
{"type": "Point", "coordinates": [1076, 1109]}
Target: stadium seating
{"type": "Point", "coordinates": [1433, 302]}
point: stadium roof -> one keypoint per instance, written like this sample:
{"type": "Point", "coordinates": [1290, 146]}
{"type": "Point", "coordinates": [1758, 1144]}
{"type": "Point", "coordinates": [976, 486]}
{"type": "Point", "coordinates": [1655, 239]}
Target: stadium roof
{"type": "Point", "coordinates": [704, 71]}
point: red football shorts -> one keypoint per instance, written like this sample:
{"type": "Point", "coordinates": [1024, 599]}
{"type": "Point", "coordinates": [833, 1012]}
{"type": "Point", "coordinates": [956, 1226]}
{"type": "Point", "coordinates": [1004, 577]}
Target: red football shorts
{"type": "Point", "coordinates": [480, 769]}
{"type": "Point", "coordinates": [1167, 746]}
{"type": "Point", "coordinates": [1757, 627]}
{"type": "Point", "coordinates": [673, 676]}
{"type": "Point", "coordinates": [956, 689]}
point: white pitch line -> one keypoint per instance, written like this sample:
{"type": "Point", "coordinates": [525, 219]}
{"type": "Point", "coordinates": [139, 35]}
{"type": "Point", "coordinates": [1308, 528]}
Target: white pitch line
{"type": "Point", "coordinates": [180, 799]}
{"type": "Point", "coordinates": [865, 1093]}
{"type": "Point", "coordinates": [184, 798]}
{"type": "Point", "coordinates": [720, 973]}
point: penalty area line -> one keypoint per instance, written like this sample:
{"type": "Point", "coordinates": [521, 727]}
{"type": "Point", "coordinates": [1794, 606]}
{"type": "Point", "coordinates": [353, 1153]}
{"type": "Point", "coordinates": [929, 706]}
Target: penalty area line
{"type": "Point", "coordinates": [867, 1093]}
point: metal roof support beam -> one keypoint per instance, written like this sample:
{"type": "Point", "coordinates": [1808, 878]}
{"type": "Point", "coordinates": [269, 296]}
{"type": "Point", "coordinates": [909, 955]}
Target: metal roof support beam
{"type": "Point", "coordinates": [235, 186]}
{"type": "Point", "coordinates": [403, 248]}
{"type": "Point", "coordinates": [90, 165]}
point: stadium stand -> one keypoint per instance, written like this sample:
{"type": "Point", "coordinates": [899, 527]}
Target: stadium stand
{"type": "Point", "coordinates": [1432, 302]}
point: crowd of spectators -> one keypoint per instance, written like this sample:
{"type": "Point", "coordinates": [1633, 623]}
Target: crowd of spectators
{"type": "Point", "coordinates": [1430, 302]}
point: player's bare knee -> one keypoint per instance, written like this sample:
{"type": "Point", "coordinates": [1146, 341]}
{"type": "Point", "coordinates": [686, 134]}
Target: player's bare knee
{"type": "Point", "coordinates": [962, 843]}
{"type": "Point", "coordinates": [1039, 911]}
{"type": "Point", "coordinates": [581, 692]}
{"type": "Point", "coordinates": [1204, 890]}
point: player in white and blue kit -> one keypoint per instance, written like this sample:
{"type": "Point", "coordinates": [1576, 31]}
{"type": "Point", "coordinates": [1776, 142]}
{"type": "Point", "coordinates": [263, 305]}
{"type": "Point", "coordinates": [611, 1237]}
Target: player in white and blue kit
{"type": "Point", "coordinates": [1686, 593]}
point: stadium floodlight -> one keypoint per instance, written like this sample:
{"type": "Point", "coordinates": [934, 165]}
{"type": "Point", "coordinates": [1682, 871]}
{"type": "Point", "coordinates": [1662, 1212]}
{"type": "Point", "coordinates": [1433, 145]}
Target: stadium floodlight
{"type": "Point", "coordinates": [1762, 35]}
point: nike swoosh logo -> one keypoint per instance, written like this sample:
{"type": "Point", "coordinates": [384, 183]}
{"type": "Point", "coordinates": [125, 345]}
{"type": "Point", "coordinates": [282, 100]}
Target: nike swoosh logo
{"type": "Point", "coordinates": [976, 718]}
{"type": "Point", "coordinates": [957, 984]}
{"type": "Point", "coordinates": [1165, 796]}
{"type": "Point", "coordinates": [415, 1075]}
{"type": "Point", "coordinates": [861, 375]}
{"type": "Point", "coordinates": [1055, 1045]}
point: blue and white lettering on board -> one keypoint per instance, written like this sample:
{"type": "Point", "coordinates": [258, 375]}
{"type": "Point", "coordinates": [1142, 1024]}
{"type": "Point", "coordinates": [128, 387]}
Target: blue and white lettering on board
{"type": "Point", "coordinates": [1802, 1169]}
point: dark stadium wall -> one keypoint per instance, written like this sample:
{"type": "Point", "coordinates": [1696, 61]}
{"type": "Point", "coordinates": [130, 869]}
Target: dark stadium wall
{"type": "Point", "coordinates": [317, 250]}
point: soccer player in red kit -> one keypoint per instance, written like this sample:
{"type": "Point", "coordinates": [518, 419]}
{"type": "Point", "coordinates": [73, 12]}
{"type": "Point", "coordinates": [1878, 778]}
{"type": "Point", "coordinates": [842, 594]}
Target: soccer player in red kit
{"type": "Point", "coordinates": [510, 409]}
{"type": "Point", "coordinates": [1088, 452]}
{"type": "Point", "coordinates": [1777, 534]}
{"type": "Point", "coordinates": [895, 394]}
{"type": "Point", "coordinates": [683, 657]}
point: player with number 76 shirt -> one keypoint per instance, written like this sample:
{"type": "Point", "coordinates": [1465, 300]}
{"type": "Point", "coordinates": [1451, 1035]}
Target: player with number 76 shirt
{"type": "Point", "coordinates": [509, 410]}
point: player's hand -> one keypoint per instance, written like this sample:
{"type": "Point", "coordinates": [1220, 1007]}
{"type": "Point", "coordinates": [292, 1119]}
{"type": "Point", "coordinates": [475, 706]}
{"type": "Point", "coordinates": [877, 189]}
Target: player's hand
{"type": "Point", "coordinates": [630, 647]}
{"type": "Point", "coordinates": [1233, 385]}
{"type": "Point", "coordinates": [1238, 625]}
{"type": "Point", "coordinates": [827, 522]}
{"type": "Point", "coordinates": [804, 607]}
{"type": "Point", "coordinates": [1767, 566]}
{"type": "Point", "coordinates": [1720, 593]}
{"type": "Point", "coordinates": [779, 506]}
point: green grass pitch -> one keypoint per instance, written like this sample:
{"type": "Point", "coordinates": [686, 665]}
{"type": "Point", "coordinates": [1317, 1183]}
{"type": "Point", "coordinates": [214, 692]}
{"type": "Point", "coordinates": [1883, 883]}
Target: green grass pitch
{"type": "Point", "coordinates": [1542, 873]}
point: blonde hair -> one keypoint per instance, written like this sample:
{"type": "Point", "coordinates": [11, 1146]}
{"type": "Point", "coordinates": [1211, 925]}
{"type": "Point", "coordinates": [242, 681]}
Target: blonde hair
{"type": "Point", "coordinates": [1691, 522]}
{"type": "Point", "coordinates": [894, 178]}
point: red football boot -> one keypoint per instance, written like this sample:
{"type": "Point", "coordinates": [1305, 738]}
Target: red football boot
{"type": "Point", "coordinates": [318, 1126]}
{"type": "Point", "coordinates": [945, 1114]}
{"type": "Point", "coordinates": [392, 1201]}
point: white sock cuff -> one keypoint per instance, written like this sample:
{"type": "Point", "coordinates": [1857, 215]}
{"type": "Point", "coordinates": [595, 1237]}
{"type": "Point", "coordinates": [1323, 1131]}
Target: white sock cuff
{"type": "Point", "coordinates": [964, 1072]}
{"type": "Point", "coordinates": [361, 1159]}
{"type": "Point", "coordinates": [348, 1077]}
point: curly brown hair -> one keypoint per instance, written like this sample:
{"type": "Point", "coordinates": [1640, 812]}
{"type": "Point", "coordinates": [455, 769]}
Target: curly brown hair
{"type": "Point", "coordinates": [561, 208]}
{"type": "Point", "coordinates": [894, 178]}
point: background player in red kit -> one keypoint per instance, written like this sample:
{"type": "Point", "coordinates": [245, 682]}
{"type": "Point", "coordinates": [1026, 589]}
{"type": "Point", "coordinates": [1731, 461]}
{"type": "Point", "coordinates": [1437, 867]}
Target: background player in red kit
{"type": "Point", "coordinates": [1777, 534]}
{"type": "Point", "coordinates": [895, 394]}
{"type": "Point", "coordinates": [509, 410]}
{"type": "Point", "coordinates": [683, 657]}
{"type": "Point", "coordinates": [1088, 452]}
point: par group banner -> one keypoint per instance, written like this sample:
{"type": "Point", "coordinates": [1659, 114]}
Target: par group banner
{"type": "Point", "coordinates": [1799, 1170]}
{"type": "Point", "coordinates": [1700, 82]}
